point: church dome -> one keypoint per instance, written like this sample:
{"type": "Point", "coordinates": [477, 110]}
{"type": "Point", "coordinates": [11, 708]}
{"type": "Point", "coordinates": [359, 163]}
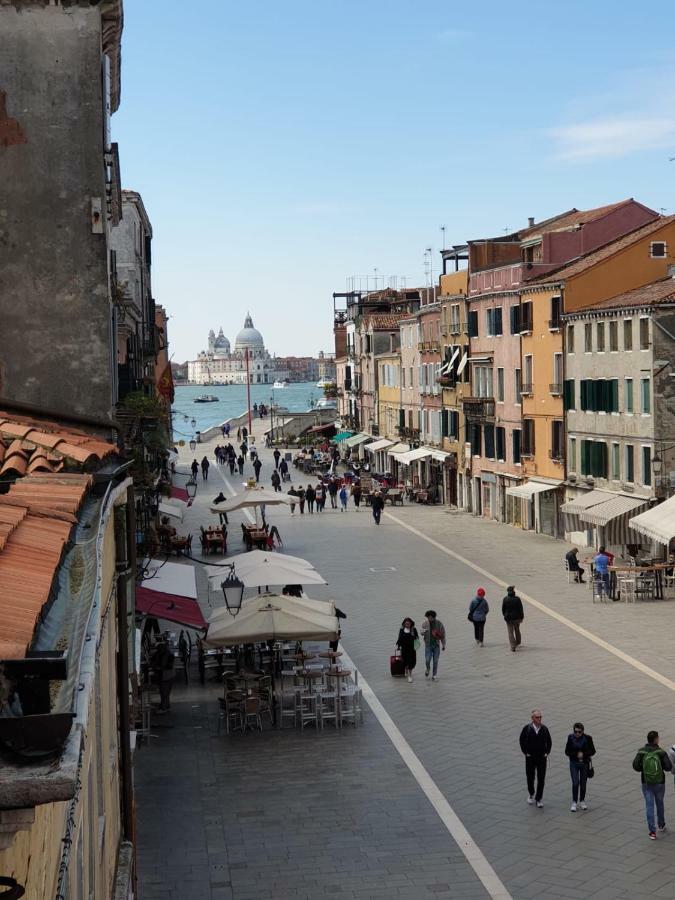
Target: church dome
{"type": "Point", "coordinates": [249, 337]}
{"type": "Point", "coordinates": [221, 344]}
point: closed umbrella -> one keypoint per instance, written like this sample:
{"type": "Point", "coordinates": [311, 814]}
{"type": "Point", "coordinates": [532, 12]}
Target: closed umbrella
{"type": "Point", "coordinates": [269, 573]}
{"type": "Point", "coordinates": [243, 562]}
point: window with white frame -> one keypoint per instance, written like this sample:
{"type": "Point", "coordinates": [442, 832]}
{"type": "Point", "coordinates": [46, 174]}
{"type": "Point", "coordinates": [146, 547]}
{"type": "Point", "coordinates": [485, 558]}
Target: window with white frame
{"type": "Point", "coordinates": [627, 334]}
{"type": "Point", "coordinates": [616, 462]}
{"type": "Point", "coordinates": [645, 396]}
{"type": "Point", "coordinates": [500, 385]}
{"type": "Point", "coordinates": [482, 383]}
{"type": "Point", "coordinates": [528, 372]}
{"type": "Point", "coordinates": [570, 338]}
{"type": "Point", "coordinates": [658, 249]}
{"type": "Point", "coordinates": [644, 333]}
{"type": "Point", "coordinates": [455, 324]}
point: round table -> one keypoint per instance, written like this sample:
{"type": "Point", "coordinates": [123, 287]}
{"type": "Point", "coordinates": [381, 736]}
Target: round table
{"type": "Point", "coordinates": [302, 657]}
{"type": "Point", "coordinates": [330, 654]}
{"type": "Point", "coordinates": [311, 675]}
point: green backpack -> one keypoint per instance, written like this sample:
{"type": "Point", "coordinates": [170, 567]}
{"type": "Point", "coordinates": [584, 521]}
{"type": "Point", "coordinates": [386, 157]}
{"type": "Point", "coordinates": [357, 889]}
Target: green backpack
{"type": "Point", "coordinates": [651, 767]}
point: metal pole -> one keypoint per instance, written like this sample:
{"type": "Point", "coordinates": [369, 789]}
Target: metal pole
{"type": "Point", "coordinates": [248, 393]}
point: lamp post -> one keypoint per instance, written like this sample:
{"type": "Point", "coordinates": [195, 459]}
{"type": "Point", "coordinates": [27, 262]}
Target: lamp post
{"type": "Point", "coordinates": [191, 488]}
{"type": "Point", "coordinates": [193, 445]}
{"type": "Point", "coordinates": [233, 592]}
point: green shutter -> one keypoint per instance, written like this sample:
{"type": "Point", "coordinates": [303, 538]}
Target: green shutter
{"type": "Point", "coordinates": [614, 402]}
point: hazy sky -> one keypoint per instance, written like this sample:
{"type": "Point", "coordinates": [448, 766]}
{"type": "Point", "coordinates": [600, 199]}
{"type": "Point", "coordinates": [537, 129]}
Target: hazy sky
{"type": "Point", "coordinates": [282, 147]}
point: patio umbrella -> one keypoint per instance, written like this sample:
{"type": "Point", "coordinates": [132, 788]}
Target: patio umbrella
{"type": "Point", "coordinates": [247, 561]}
{"type": "Point", "coordinates": [252, 497]}
{"type": "Point", "coordinates": [323, 607]}
{"type": "Point", "coordinates": [266, 573]}
{"type": "Point", "coordinates": [271, 618]}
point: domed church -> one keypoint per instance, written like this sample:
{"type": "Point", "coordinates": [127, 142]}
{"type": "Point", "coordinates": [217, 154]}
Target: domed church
{"type": "Point", "coordinates": [218, 365]}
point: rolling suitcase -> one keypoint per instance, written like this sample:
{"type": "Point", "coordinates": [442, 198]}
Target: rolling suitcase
{"type": "Point", "coordinates": [396, 666]}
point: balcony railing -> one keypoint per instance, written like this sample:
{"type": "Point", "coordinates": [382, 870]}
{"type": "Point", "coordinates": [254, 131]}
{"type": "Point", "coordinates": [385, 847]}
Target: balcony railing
{"type": "Point", "coordinates": [525, 389]}
{"type": "Point", "coordinates": [554, 324]}
{"type": "Point", "coordinates": [555, 389]}
{"type": "Point", "coordinates": [478, 409]}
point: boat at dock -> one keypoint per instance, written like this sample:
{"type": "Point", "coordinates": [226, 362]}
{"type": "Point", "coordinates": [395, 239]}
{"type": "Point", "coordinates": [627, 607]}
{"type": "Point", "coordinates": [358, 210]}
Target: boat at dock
{"type": "Point", "coordinates": [206, 398]}
{"type": "Point", "coordinates": [280, 384]}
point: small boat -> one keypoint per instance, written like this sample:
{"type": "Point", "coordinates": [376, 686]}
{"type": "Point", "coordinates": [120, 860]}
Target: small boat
{"type": "Point", "coordinates": [206, 398]}
{"type": "Point", "coordinates": [280, 384]}
{"type": "Point", "coordinates": [324, 383]}
{"type": "Point", "coordinates": [324, 403]}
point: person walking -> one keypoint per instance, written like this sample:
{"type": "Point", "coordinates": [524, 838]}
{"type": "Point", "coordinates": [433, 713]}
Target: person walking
{"type": "Point", "coordinates": [407, 643]}
{"type": "Point", "coordinates": [512, 610]}
{"type": "Point", "coordinates": [292, 493]}
{"type": "Point", "coordinates": [356, 494]}
{"type": "Point", "coordinates": [333, 492]}
{"type": "Point", "coordinates": [652, 763]}
{"type": "Point", "coordinates": [244, 432]}
{"type": "Point", "coordinates": [579, 748]}
{"type": "Point", "coordinates": [478, 610]}
{"type": "Point", "coordinates": [240, 464]}
{"type": "Point", "coordinates": [320, 491]}
{"type": "Point", "coordinates": [243, 449]}
{"type": "Point", "coordinates": [238, 434]}
{"type": "Point", "coordinates": [232, 462]}
{"type": "Point", "coordinates": [227, 429]}
{"type": "Point", "coordinates": [377, 504]}
{"type": "Point", "coordinates": [163, 665]}
{"type": "Point", "coordinates": [205, 468]}
{"type": "Point", "coordinates": [223, 429]}
{"type": "Point", "coordinates": [276, 481]}
{"type": "Point", "coordinates": [257, 466]}
{"type": "Point", "coordinates": [283, 470]}
{"type": "Point", "coordinates": [194, 468]}
{"type": "Point", "coordinates": [310, 497]}
{"type": "Point", "coordinates": [301, 499]}
{"type": "Point", "coordinates": [277, 457]}
{"type": "Point", "coordinates": [535, 743]}
{"type": "Point", "coordinates": [344, 496]}
{"type": "Point", "coordinates": [433, 632]}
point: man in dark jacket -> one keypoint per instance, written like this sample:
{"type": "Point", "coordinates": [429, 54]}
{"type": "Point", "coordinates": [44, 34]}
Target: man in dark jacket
{"type": "Point", "coordinates": [535, 742]}
{"type": "Point", "coordinates": [573, 565]}
{"type": "Point", "coordinates": [377, 504]}
{"type": "Point", "coordinates": [277, 457]}
{"type": "Point", "coordinates": [257, 466]}
{"type": "Point", "coordinates": [512, 610]}
{"type": "Point", "coordinates": [652, 763]}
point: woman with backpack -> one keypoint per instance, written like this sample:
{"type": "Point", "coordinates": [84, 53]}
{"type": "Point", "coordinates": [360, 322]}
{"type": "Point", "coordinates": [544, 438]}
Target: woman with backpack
{"type": "Point", "coordinates": [407, 643]}
{"type": "Point", "coordinates": [579, 748]}
{"type": "Point", "coordinates": [478, 610]}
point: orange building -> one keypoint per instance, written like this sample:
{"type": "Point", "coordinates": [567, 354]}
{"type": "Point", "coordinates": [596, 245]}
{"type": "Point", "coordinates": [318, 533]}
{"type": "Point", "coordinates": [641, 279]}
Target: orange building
{"type": "Point", "coordinates": [455, 382]}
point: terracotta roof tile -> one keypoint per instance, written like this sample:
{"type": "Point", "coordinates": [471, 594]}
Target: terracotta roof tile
{"type": "Point", "coordinates": [580, 265]}
{"type": "Point", "coordinates": [571, 218]}
{"type": "Point", "coordinates": [384, 320]}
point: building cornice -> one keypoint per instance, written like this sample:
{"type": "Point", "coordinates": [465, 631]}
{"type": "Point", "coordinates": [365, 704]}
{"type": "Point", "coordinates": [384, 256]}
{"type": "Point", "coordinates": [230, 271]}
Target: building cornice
{"type": "Point", "coordinates": [615, 311]}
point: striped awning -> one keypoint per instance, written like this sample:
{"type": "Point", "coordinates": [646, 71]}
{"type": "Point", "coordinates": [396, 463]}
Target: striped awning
{"type": "Point", "coordinates": [603, 513]}
{"type": "Point", "coordinates": [342, 436]}
{"type": "Point", "coordinates": [657, 523]}
{"type": "Point", "coordinates": [405, 459]}
{"type": "Point", "coordinates": [379, 445]}
{"type": "Point", "coordinates": [397, 449]}
{"type": "Point", "coordinates": [357, 439]}
{"type": "Point", "coordinates": [530, 488]}
{"type": "Point", "coordinates": [584, 502]}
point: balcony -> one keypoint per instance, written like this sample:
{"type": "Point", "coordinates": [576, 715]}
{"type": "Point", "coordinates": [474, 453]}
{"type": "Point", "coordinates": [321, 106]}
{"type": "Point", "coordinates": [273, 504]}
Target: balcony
{"type": "Point", "coordinates": [555, 389]}
{"type": "Point", "coordinates": [479, 409]}
{"type": "Point", "coordinates": [525, 390]}
{"type": "Point", "coordinates": [554, 324]}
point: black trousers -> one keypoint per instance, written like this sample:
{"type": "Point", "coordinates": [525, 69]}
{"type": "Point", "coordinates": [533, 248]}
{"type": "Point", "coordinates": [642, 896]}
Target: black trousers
{"type": "Point", "coordinates": [479, 630]}
{"type": "Point", "coordinates": [535, 764]}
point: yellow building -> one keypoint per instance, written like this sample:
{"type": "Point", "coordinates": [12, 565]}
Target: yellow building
{"type": "Point", "coordinates": [389, 394]}
{"type": "Point", "coordinates": [454, 379]}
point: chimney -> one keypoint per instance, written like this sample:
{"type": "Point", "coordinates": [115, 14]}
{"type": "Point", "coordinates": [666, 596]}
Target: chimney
{"type": "Point", "coordinates": [530, 221]}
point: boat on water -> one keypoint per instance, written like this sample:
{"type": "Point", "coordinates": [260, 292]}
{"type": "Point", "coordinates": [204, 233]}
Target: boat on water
{"type": "Point", "coordinates": [324, 383]}
{"type": "Point", "coordinates": [206, 398]}
{"type": "Point", "coordinates": [280, 384]}
{"type": "Point", "coordinates": [325, 403]}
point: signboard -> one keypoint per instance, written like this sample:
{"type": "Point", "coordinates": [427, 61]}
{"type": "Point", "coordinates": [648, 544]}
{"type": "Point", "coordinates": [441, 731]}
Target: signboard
{"type": "Point", "coordinates": [366, 481]}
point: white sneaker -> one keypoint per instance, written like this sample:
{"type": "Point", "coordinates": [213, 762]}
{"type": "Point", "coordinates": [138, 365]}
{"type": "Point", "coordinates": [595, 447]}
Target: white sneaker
{"type": "Point", "coordinates": [540, 804]}
{"type": "Point", "coordinates": [409, 679]}
{"type": "Point", "coordinates": [583, 804]}
{"type": "Point", "coordinates": [573, 807]}
{"type": "Point", "coordinates": [434, 677]}
{"type": "Point", "coordinates": [530, 799]}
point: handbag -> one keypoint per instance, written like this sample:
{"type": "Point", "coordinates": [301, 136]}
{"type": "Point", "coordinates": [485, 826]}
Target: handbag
{"type": "Point", "coordinates": [590, 771]}
{"type": "Point", "coordinates": [470, 616]}
{"type": "Point", "coordinates": [416, 643]}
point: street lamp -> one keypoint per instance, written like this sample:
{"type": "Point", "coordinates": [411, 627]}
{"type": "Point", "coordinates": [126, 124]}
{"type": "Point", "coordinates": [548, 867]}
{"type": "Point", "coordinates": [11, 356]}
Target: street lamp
{"type": "Point", "coordinates": [657, 465]}
{"type": "Point", "coordinates": [191, 488]}
{"type": "Point", "coordinates": [193, 445]}
{"type": "Point", "coordinates": [193, 422]}
{"type": "Point", "coordinates": [233, 592]}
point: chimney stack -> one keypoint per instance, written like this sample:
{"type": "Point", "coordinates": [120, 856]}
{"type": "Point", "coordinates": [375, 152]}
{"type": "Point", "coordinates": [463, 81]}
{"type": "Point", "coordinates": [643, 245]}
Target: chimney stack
{"type": "Point", "coordinates": [530, 221]}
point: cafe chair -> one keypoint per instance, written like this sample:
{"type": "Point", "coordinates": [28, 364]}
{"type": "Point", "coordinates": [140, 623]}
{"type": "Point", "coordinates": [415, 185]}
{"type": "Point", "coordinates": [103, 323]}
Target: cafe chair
{"type": "Point", "coordinates": [627, 584]}
{"type": "Point", "coordinates": [230, 711]}
{"type": "Point", "coordinates": [352, 704]}
{"type": "Point", "coordinates": [288, 705]}
{"type": "Point", "coordinates": [329, 709]}
{"type": "Point", "coordinates": [252, 712]}
{"type": "Point", "coordinates": [646, 586]}
{"type": "Point", "coordinates": [599, 589]}
{"type": "Point", "coordinates": [570, 573]}
{"type": "Point", "coordinates": [308, 712]}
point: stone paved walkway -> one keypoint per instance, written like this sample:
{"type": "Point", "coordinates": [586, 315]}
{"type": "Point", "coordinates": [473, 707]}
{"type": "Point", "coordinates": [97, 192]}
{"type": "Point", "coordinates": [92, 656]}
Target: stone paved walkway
{"type": "Point", "coordinates": [464, 730]}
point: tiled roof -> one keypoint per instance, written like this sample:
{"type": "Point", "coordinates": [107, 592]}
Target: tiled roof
{"type": "Point", "coordinates": [572, 218]}
{"type": "Point", "coordinates": [29, 445]}
{"type": "Point", "coordinates": [384, 320]}
{"type": "Point", "coordinates": [36, 518]}
{"type": "Point", "coordinates": [592, 259]}
{"type": "Point", "coordinates": [654, 294]}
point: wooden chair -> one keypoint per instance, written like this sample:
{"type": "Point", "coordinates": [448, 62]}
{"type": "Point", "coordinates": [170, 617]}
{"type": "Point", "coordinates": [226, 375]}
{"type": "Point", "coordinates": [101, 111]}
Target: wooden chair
{"type": "Point", "coordinates": [252, 712]}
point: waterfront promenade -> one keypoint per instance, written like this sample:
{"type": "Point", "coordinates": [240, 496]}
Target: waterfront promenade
{"type": "Point", "coordinates": [348, 814]}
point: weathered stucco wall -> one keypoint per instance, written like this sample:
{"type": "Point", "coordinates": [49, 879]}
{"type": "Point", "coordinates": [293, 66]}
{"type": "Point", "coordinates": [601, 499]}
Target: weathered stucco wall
{"type": "Point", "coordinates": [55, 337]}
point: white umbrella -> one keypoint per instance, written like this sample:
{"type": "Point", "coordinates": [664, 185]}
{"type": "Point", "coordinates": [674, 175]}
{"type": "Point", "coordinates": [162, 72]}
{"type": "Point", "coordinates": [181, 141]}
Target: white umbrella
{"type": "Point", "coordinates": [323, 607]}
{"type": "Point", "coordinates": [269, 573]}
{"type": "Point", "coordinates": [271, 618]}
{"type": "Point", "coordinates": [250, 497]}
{"type": "Point", "coordinates": [244, 562]}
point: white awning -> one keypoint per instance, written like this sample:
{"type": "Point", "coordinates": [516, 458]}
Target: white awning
{"type": "Point", "coordinates": [446, 368]}
{"type": "Point", "coordinates": [397, 449]}
{"type": "Point", "coordinates": [405, 459]}
{"type": "Point", "coordinates": [584, 502]}
{"type": "Point", "coordinates": [603, 513]}
{"type": "Point", "coordinates": [438, 455]}
{"type": "Point", "coordinates": [657, 523]}
{"type": "Point", "coordinates": [169, 578]}
{"type": "Point", "coordinates": [530, 488]}
{"type": "Point", "coordinates": [173, 508]}
{"type": "Point", "coordinates": [462, 365]}
{"type": "Point", "coordinates": [379, 445]}
{"type": "Point", "coordinates": [357, 439]}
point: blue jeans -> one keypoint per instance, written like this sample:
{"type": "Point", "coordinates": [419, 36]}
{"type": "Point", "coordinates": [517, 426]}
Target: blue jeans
{"type": "Point", "coordinates": [654, 793]}
{"type": "Point", "coordinates": [579, 774]}
{"type": "Point", "coordinates": [432, 652]}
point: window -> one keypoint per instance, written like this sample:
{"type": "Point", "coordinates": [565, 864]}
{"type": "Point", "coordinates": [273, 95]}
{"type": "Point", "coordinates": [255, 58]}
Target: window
{"type": "Point", "coordinates": [556, 440]}
{"type": "Point", "coordinates": [526, 317]}
{"type": "Point", "coordinates": [614, 336]}
{"type": "Point", "coordinates": [514, 317]}
{"type": "Point", "coordinates": [645, 397]}
{"type": "Point", "coordinates": [528, 437]}
{"type": "Point", "coordinates": [500, 385]}
{"type": "Point", "coordinates": [616, 462]}
{"type": "Point", "coordinates": [557, 385]}
{"type": "Point", "coordinates": [493, 322]}
{"type": "Point", "coordinates": [658, 249]}
{"type": "Point", "coordinates": [500, 435]}
{"type": "Point", "coordinates": [569, 394]}
{"type": "Point", "coordinates": [627, 334]}
{"type": "Point", "coordinates": [498, 326]}
{"type": "Point", "coordinates": [527, 375]}
{"type": "Point", "coordinates": [482, 381]}
{"type": "Point", "coordinates": [489, 435]}
{"type": "Point", "coordinates": [630, 464]}
{"type": "Point", "coordinates": [628, 395]}
{"type": "Point", "coordinates": [646, 465]}
{"type": "Point", "coordinates": [412, 380]}
{"type": "Point", "coordinates": [588, 338]}
{"type": "Point", "coordinates": [473, 323]}
{"type": "Point", "coordinates": [600, 337]}
{"type": "Point", "coordinates": [572, 461]}
{"type": "Point", "coordinates": [594, 458]}
{"type": "Point", "coordinates": [599, 395]}
{"type": "Point", "coordinates": [570, 338]}
{"type": "Point", "coordinates": [518, 386]}
{"type": "Point", "coordinates": [489, 322]}
{"type": "Point", "coordinates": [454, 319]}
{"type": "Point", "coordinates": [402, 377]}
{"type": "Point", "coordinates": [515, 445]}
{"type": "Point", "coordinates": [556, 310]}
{"type": "Point", "coordinates": [474, 437]}
{"type": "Point", "coordinates": [644, 334]}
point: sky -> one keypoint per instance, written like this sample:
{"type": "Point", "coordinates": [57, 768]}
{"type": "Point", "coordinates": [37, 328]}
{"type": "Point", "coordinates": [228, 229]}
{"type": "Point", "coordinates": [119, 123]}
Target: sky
{"type": "Point", "coordinates": [282, 148]}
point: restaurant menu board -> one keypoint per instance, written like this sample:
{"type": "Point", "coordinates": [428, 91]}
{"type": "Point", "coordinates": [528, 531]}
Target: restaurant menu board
{"type": "Point", "coordinates": [366, 481]}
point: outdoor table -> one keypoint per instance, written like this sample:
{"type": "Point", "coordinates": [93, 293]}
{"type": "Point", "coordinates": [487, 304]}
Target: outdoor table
{"type": "Point", "coordinates": [656, 571]}
{"type": "Point", "coordinates": [310, 676]}
{"type": "Point", "coordinates": [303, 656]}
{"type": "Point", "coordinates": [330, 654]}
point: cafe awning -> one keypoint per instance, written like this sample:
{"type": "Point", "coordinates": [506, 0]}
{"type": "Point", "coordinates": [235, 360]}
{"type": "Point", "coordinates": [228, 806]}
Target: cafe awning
{"type": "Point", "coordinates": [436, 454]}
{"type": "Point", "coordinates": [613, 516]}
{"type": "Point", "coordinates": [342, 436]}
{"type": "Point", "coordinates": [179, 493]}
{"type": "Point", "coordinates": [397, 449]}
{"type": "Point", "coordinates": [411, 456]}
{"type": "Point", "coordinates": [273, 618]}
{"type": "Point", "coordinates": [657, 523]}
{"type": "Point", "coordinates": [173, 508]}
{"type": "Point", "coordinates": [585, 501]}
{"type": "Point", "coordinates": [379, 445]}
{"type": "Point", "coordinates": [169, 591]}
{"type": "Point", "coordinates": [530, 488]}
{"type": "Point", "coordinates": [357, 439]}
{"type": "Point", "coordinates": [319, 428]}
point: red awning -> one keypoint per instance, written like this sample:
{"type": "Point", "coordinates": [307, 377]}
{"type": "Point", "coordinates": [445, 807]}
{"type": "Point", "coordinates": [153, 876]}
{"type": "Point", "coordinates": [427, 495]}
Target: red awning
{"type": "Point", "coordinates": [318, 428]}
{"type": "Point", "coordinates": [172, 607]}
{"type": "Point", "coordinates": [179, 493]}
